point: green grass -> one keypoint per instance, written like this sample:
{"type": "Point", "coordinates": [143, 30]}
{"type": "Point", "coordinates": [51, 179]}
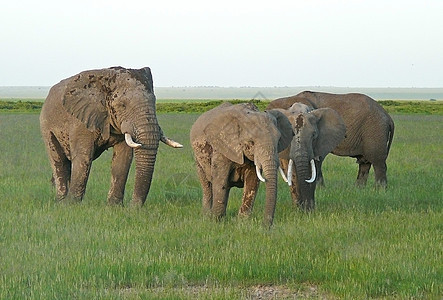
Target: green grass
{"type": "Point", "coordinates": [357, 244]}
{"type": "Point", "coordinates": [199, 106]}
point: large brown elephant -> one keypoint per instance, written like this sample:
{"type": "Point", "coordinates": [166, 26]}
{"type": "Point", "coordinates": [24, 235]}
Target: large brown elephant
{"type": "Point", "coordinates": [317, 132]}
{"type": "Point", "coordinates": [86, 114]}
{"type": "Point", "coordinates": [232, 144]}
{"type": "Point", "coordinates": [369, 130]}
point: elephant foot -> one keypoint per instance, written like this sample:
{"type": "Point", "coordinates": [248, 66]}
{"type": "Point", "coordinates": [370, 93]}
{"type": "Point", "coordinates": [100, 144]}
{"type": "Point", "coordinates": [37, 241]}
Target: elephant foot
{"type": "Point", "coordinates": [114, 201]}
{"type": "Point", "coordinates": [360, 183]}
{"type": "Point", "coordinates": [244, 214]}
{"type": "Point", "coordinates": [218, 216]}
{"type": "Point", "coordinates": [137, 203]}
{"type": "Point", "coordinates": [70, 199]}
{"type": "Point", "coordinates": [206, 212]}
{"type": "Point", "coordinates": [307, 205]}
{"type": "Point", "coordinates": [245, 210]}
{"type": "Point", "coordinates": [381, 185]}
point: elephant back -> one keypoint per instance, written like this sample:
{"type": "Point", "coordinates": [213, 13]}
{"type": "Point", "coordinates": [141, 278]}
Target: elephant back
{"type": "Point", "coordinates": [287, 102]}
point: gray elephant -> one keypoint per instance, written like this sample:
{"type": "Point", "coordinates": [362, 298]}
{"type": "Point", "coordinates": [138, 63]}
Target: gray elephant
{"type": "Point", "coordinates": [86, 114]}
{"type": "Point", "coordinates": [232, 144]}
{"type": "Point", "coordinates": [317, 132]}
{"type": "Point", "coordinates": [369, 130]}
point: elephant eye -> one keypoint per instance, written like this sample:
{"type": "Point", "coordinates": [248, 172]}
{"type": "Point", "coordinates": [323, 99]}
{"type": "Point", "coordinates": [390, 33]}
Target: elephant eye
{"type": "Point", "coordinates": [315, 134]}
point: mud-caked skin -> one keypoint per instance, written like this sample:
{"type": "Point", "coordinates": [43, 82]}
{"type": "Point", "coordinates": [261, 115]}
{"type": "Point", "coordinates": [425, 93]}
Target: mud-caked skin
{"type": "Point", "coordinates": [369, 130]}
{"type": "Point", "coordinates": [92, 111]}
{"type": "Point", "coordinates": [229, 141]}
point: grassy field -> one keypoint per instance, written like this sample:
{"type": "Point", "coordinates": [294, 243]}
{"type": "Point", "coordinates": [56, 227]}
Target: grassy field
{"type": "Point", "coordinates": [358, 244]}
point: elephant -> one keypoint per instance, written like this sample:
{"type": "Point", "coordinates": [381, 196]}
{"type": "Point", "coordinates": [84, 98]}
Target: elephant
{"type": "Point", "coordinates": [92, 111]}
{"type": "Point", "coordinates": [232, 144]}
{"type": "Point", "coordinates": [317, 132]}
{"type": "Point", "coordinates": [369, 130]}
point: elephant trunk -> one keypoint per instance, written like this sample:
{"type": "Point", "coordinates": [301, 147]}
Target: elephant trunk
{"type": "Point", "coordinates": [144, 170]}
{"type": "Point", "coordinates": [270, 170]}
{"type": "Point", "coordinates": [147, 133]}
{"type": "Point", "coordinates": [306, 186]}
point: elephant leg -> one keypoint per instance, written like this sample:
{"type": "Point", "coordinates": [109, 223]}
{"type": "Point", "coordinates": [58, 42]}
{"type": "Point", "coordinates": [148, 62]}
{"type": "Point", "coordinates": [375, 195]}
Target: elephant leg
{"type": "Point", "coordinates": [380, 169]}
{"type": "Point", "coordinates": [295, 190]}
{"type": "Point", "coordinates": [250, 188]}
{"type": "Point", "coordinates": [121, 163]}
{"type": "Point", "coordinates": [363, 172]}
{"type": "Point", "coordinates": [81, 167]}
{"type": "Point", "coordinates": [220, 168]}
{"type": "Point", "coordinates": [206, 189]}
{"type": "Point", "coordinates": [61, 167]}
{"type": "Point", "coordinates": [82, 153]}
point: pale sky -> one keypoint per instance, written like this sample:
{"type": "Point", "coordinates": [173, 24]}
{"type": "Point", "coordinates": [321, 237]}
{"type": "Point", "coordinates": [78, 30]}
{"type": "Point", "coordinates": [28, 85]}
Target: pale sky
{"type": "Point", "coordinates": [350, 43]}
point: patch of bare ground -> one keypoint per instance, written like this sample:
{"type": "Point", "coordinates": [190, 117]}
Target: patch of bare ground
{"type": "Point", "coordinates": [267, 292]}
{"type": "Point", "coordinates": [257, 292]}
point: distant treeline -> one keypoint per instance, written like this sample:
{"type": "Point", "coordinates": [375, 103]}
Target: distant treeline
{"type": "Point", "coordinates": [392, 106]}
{"type": "Point", "coordinates": [20, 106]}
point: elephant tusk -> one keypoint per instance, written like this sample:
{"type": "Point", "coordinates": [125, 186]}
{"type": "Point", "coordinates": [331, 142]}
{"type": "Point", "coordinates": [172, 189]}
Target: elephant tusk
{"type": "Point", "coordinates": [291, 165]}
{"type": "Point", "coordinates": [170, 142]}
{"type": "Point", "coordinates": [130, 141]}
{"type": "Point", "coordinates": [283, 174]}
{"type": "Point", "coordinates": [257, 170]}
{"type": "Point", "coordinates": [314, 173]}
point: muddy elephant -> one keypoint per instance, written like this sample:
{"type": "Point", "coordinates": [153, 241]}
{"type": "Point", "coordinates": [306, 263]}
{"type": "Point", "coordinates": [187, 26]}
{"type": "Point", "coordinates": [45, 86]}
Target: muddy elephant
{"type": "Point", "coordinates": [369, 130]}
{"type": "Point", "coordinates": [317, 132]}
{"type": "Point", "coordinates": [92, 111]}
{"type": "Point", "coordinates": [232, 144]}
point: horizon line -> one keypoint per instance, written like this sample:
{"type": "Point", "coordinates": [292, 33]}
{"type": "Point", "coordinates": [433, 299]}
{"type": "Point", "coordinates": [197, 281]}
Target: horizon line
{"type": "Point", "coordinates": [250, 86]}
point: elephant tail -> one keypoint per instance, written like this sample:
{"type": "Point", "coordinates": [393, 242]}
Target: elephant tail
{"type": "Point", "coordinates": [391, 135]}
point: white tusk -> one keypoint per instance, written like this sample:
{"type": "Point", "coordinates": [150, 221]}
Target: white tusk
{"type": "Point", "coordinates": [291, 164]}
{"type": "Point", "coordinates": [130, 142]}
{"type": "Point", "coordinates": [170, 142]}
{"type": "Point", "coordinates": [314, 173]}
{"type": "Point", "coordinates": [283, 174]}
{"type": "Point", "coordinates": [257, 170]}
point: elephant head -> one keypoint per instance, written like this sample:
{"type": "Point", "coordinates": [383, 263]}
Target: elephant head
{"type": "Point", "coordinates": [114, 105]}
{"type": "Point", "coordinates": [238, 138]}
{"type": "Point", "coordinates": [317, 132]}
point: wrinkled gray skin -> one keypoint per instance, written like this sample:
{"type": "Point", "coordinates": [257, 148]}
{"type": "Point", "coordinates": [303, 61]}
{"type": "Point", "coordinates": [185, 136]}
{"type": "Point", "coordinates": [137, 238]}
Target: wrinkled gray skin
{"type": "Point", "coordinates": [369, 130]}
{"type": "Point", "coordinates": [228, 142]}
{"type": "Point", "coordinates": [317, 132]}
{"type": "Point", "coordinates": [86, 114]}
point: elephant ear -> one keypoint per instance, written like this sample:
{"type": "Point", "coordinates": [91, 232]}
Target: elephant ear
{"type": "Point", "coordinates": [85, 98]}
{"type": "Point", "coordinates": [148, 76]}
{"type": "Point", "coordinates": [331, 131]}
{"type": "Point", "coordinates": [144, 76]}
{"type": "Point", "coordinates": [285, 128]}
{"type": "Point", "coordinates": [223, 133]}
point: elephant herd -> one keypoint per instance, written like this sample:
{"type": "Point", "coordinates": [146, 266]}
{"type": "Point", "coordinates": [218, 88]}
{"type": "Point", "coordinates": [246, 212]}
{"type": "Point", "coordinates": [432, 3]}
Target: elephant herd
{"type": "Point", "coordinates": [234, 145]}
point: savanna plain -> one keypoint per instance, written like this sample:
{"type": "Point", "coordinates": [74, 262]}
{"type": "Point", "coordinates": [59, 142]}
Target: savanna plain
{"type": "Point", "coordinates": [359, 243]}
